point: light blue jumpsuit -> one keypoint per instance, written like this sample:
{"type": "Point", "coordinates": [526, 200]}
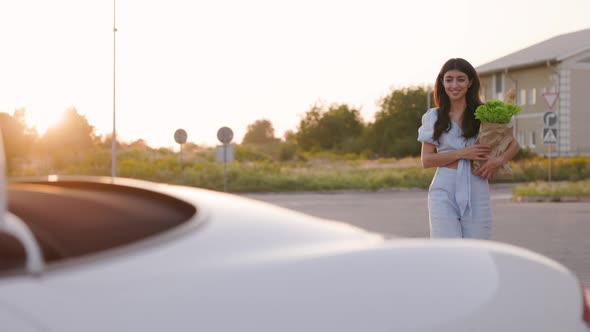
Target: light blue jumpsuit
{"type": "Point", "coordinates": [458, 201]}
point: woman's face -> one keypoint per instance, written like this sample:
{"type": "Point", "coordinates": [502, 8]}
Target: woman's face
{"type": "Point", "coordinates": [456, 84]}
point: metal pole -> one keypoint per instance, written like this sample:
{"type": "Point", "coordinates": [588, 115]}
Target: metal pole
{"type": "Point", "coordinates": [549, 149]}
{"type": "Point", "coordinates": [224, 167]}
{"type": "Point", "coordinates": [517, 100]}
{"type": "Point", "coordinates": [556, 89]}
{"type": "Point", "coordinates": [114, 137]}
{"type": "Point", "coordinates": [181, 177]}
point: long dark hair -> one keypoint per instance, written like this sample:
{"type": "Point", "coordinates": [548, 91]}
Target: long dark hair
{"type": "Point", "coordinates": [470, 124]}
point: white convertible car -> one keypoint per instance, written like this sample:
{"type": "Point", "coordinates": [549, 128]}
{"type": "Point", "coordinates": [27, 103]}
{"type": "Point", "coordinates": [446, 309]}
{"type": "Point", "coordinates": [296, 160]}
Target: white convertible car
{"type": "Point", "coordinates": [103, 254]}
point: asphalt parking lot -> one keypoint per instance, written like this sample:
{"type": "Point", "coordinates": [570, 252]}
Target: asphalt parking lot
{"type": "Point", "coordinates": [560, 231]}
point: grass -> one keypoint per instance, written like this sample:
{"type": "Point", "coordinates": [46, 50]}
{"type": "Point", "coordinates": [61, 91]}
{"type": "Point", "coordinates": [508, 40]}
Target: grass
{"type": "Point", "coordinates": [319, 172]}
{"type": "Point", "coordinates": [552, 189]}
{"type": "Point", "coordinates": [315, 175]}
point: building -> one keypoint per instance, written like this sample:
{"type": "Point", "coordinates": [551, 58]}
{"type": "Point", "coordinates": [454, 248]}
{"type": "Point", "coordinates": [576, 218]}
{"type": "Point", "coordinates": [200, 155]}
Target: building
{"type": "Point", "coordinates": [557, 68]}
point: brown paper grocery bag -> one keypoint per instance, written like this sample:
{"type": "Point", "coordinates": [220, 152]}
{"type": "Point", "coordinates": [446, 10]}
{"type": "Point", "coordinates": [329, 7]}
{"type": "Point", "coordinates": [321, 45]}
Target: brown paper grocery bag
{"type": "Point", "coordinates": [498, 136]}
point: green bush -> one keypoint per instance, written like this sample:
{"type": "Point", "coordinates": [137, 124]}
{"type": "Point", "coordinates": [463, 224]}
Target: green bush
{"type": "Point", "coordinates": [254, 170]}
{"type": "Point", "coordinates": [287, 151]}
{"type": "Point", "coordinates": [249, 153]}
{"type": "Point", "coordinates": [525, 153]}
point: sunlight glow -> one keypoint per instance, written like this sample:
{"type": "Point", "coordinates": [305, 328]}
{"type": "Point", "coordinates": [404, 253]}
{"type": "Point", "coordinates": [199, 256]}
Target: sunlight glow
{"type": "Point", "coordinates": [41, 121]}
{"type": "Point", "coordinates": [199, 66]}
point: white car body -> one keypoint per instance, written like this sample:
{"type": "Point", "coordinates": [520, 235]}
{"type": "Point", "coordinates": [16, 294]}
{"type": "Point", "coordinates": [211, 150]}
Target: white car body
{"type": "Point", "coordinates": [243, 265]}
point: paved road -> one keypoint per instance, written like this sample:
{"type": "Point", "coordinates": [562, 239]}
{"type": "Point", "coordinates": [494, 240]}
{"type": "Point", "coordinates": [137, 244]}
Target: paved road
{"type": "Point", "coordinates": [558, 230]}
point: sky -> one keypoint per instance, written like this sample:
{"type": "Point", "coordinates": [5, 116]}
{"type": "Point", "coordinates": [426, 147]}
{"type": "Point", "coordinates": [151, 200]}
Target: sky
{"type": "Point", "coordinates": [201, 65]}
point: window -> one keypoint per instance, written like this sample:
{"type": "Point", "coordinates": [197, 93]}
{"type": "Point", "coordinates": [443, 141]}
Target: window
{"type": "Point", "coordinates": [520, 138]}
{"type": "Point", "coordinates": [498, 83]}
{"type": "Point", "coordinates": [533, 139]}
{"type": "Point", "coordinates": [522, 100]}
{"type": "Point", "coordinates": [532, 96]}
{"type": "Point", "coordinates": [499, 86]}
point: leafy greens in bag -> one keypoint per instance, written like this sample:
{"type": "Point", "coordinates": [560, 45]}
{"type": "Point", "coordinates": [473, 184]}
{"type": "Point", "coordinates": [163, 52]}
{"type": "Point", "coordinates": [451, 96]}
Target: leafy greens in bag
{"type": "Point", "coordinates": [496, 111]}
{"type": "Point", "coordinates": [496, 130]}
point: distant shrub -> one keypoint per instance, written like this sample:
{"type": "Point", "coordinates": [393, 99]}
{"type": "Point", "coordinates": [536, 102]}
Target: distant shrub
{"type": "Point", "coordinates": [250, 153]}
{"type": "Point", "coordinates": [287, 151]}
{"type": "Point", "coordinates": [525, 153]}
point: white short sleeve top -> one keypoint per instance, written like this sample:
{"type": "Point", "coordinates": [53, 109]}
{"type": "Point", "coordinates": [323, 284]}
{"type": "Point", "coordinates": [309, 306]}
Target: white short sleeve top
{"type": "Point", "coordinates": [450, 141]}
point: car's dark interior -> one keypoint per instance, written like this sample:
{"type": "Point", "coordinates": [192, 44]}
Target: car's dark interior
{"type": "Point", "coordinates": [71, 219]}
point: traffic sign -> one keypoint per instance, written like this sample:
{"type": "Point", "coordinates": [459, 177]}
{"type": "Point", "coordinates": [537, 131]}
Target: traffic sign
{"type": "Point", "coordinates": [550, 119]}
{"type": "Point", "coordinates": [549, 135]}
{"type": "Point", "coordinates": [550, 98]}
{"type": "Point", "coordinates": [225, 135]}
{"type": "Point", "coordinates": [180, 136]}
{"type": "Point", "coordinates": [225, 153]}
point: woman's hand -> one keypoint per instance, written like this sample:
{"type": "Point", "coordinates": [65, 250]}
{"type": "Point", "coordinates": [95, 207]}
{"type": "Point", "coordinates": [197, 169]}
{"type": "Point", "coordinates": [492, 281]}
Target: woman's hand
{"type": "Point", "coordinates": [489, 168]}
{"type": "Point", "coordinates": [475, 152]}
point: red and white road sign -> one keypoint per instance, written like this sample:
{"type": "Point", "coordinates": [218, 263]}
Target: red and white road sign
{"type": "Point", "coordinates": [550, 98]}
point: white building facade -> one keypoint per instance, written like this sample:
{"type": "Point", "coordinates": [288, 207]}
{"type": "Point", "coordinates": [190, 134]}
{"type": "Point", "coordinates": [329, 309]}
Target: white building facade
{"type": "Point", "coordinates": [557, 69]}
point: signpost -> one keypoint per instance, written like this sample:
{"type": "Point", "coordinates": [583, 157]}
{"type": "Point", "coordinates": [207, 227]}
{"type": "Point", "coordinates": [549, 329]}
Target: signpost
{"type": "Point", "coordinates": [549, 138]}
{"type": "Point", "coordinates": [225, 153]}
{"type": "Point", "coordinates": [550, 120]}
{"type": "Point", "coordinates": [180, 137]}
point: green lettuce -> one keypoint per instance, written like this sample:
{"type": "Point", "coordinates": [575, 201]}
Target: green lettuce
{"type": "Point", "coordinates": [495, 111]}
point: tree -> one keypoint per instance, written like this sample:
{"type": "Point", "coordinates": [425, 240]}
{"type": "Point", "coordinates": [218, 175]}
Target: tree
{"type": "Point", "coordinates": [260, 132]}
{"type": "Point", "coordinates": [69, 141]}
{"type": "Point", "coordinates": [340, 126]}
{"type": "Point", "coordinates": [17, 137]}
{"type": "Point", "coordinates": [308, 129]}
{"type": "Point", "coordinates": [139, 144]}
{"type": "Point", "coordinates": [394, 132]}
{"type": "Point", "coordinates": [290, 136]}
{"type": "Point", "coordinates": [337, 129]}
{"type": "Point", "coordinates": [106, 141]}
{"type": "Point", "coordinates": [72, 133]}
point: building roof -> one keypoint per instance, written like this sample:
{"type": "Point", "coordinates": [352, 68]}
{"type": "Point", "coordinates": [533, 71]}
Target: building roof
{"type": "Point", "coordinates": [552, 50]}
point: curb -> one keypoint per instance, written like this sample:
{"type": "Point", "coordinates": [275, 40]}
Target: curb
{"type": "Point", "coordinates": [554, 199]}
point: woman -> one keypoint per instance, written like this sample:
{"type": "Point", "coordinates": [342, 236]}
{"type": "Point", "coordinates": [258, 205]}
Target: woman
{"type": "Point", "coordinates": [458, 200]}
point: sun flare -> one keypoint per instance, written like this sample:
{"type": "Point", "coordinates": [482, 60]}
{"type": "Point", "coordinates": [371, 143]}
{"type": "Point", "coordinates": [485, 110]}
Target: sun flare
{"type": "Point", "coordinates": [41, 121]}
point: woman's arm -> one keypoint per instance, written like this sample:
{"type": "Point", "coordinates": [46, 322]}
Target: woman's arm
{"type": "Point", "coordinates": [489, 169]}
{"type": "Point", "coordinates": [430, 158]}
